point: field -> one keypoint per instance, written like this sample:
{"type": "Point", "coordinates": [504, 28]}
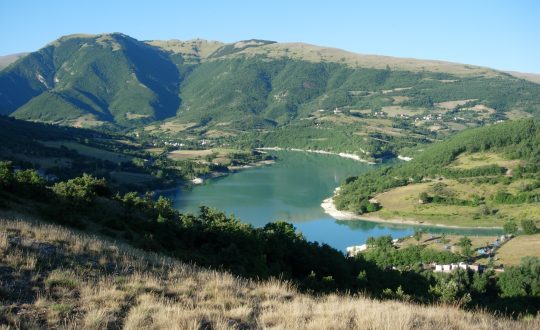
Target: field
{"type": "Point", "coordinates": [131, 178]}
{"type": "Point", "coordinates": [89, 151]}
{"type": "Point", "coordinates": [449, 105]}
{"type": "Point", "coordinates": [509, 254]}
{"type": "Point", "coordinates": [399, 111]}
{"type": "Point", "coordinates": [155, 151]}
{"type": "Point", "coordinates": [467, 161]}
{"type": "Point", "coordinates": [219, 155]}
{"type": "Point", "coordinates": [512, 252]}
{"type": "Point", "coordinates": [403, 203]}
{"type": "Point", "coordinates": [171, 126]}
{"type": "Point", "coordinates": [314, 53]}
{"type": "Point", "coordinates": [189, 154]}
{"type": "Point", "coordinates": [433, 241]}
{"type": "Point", "coordinates": [56, 278]}
{"type": "Point", "coordinates": [44, 162]}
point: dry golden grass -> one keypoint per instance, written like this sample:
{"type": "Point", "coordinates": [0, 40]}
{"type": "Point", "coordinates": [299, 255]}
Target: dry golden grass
{"type": "Point", "coordinates": [56, 278]}
{"type": "Point", "coordinates": [89, 151]}
{"type": "Point", "coordinates": [196, 47]}
{"type": "Point", "coordinates": [396, 111]}
{"type": "Point", "coordinates": [519, 247]}
{"type": "Point", "coordinates": [434, 241]}
{"type": "Point", "coordinates": [316, 54]}
{"type": "Point", "coordinates": [478, 159]}
{"type": "Point", "coordinates": [402, 203]}
{"type": "Point", "coordinates": [189, 154]}
{"type": "Point", "coordinates": [449, 105]}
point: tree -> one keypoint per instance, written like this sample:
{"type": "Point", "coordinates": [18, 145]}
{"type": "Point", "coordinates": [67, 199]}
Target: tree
{"type": "Point", "coordinates": [29, 177]}
{"type": "Point", "coordinates": [465, 243]}
{"type": "Point", "coordinates": [423, 198]}
{"type": "Point", "coordinates": [444, 239]}
{"type": "Point", "coordinates": [510, 227]}
{"type": "Point", "coordinates": [164, 207]}
{"type": "Point", "coordinates": [81, 190]}
{"type": "Point", "coordinates": [451, 289]}
{"type": "Point", "coordinates": [6, 174]}
{"type": "Point", "coordinates": [417, 235]}
{"type": "Point", "coordinates": [529, 227]}
{"type": "Point", "coordinates": [522, 280]}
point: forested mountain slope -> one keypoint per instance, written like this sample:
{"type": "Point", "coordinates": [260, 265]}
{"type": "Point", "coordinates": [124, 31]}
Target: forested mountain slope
{"type": "Point", "coordinates": [103, 78]}
{"type": "Point", "coordinates": [115, 78]}
{"type": "Point", "coordinates": [480, 177]}
{"type": "Point", "coordinates": [219, 92]}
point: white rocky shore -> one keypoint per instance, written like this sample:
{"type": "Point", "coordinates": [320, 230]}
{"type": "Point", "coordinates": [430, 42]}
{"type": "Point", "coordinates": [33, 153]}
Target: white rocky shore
{"type": "Point", "coordinates": [340, 154]}
{"type": "Point", "coordinates": [330, 208]}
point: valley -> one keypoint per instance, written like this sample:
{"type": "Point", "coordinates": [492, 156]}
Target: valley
{"type": "Point", "coordinates": [246, 171]}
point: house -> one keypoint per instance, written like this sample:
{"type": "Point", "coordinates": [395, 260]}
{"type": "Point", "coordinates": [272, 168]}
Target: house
{"type": "Point", "coordinates": [451, 267]}
{"type": "Point", "coordinates": [354, 250]}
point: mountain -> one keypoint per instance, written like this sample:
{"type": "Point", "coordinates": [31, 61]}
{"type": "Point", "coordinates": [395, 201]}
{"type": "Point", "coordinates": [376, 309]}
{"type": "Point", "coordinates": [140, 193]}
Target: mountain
{"type": "Point", "coordinates": [8, 59]}
{"type": "Point", "coordinates": [103, 78]}
{"type": "Point", "coordinates": [200, 89]}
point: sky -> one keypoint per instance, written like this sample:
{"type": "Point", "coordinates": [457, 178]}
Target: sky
{"type": "Point", "coordinates": [500, 34]}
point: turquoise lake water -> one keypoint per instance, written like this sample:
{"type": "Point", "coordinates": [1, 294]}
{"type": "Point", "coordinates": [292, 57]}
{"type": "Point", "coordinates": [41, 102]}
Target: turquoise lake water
{"type": "Point", "coordinates": [292, 190]}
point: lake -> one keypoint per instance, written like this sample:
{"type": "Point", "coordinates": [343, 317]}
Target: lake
{"type": "Point", "coordinates": [292, 190]}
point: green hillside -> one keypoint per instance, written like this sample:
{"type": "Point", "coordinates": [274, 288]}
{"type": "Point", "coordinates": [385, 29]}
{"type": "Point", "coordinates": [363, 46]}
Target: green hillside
{"type": "Point", "coordinates": [480, 177]}
{"type": "Point", "coordinates": [219, 92]}
{"type": "Point", "coordinates": [107, 78]}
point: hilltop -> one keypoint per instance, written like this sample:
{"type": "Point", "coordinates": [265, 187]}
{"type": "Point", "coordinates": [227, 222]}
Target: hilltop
{"type": "Point", "coordinates": [56, 277]}
{"type": "Point", "coordinates": [8, 59]}
{"type": "Point", "coordinates": [259, 93]}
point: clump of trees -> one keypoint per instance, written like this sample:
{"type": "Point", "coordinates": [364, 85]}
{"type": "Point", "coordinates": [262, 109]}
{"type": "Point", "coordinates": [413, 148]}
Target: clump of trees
{"type": "Point", "coordinates": [80, 190]}
{"type": "Point", "coordinates": [529, 226]}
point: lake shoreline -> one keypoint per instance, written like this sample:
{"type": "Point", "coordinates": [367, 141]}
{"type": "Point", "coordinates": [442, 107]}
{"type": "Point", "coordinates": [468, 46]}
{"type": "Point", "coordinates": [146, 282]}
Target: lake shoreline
{"type": "Point", "coordinates": [330, 208]}
{"type": "Point", "coordinates": [323, 152]}
{"type": "Point", "coordinates": [212, 175]}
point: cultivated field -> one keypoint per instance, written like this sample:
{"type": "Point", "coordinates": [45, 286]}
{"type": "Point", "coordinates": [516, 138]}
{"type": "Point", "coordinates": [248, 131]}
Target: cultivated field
{"type": "Point", "coordinates": [89, 151]}
{"type": "Point", "coordinates": [484, 159]}
{"type": "Point", "coordinates": [219, 155]}
{"type": "Point", "coordinates": [519, 247]}
{"type": "Point", "coordinates": [57, 278]}
{"type": "Point", "coordinates": [403, 203]}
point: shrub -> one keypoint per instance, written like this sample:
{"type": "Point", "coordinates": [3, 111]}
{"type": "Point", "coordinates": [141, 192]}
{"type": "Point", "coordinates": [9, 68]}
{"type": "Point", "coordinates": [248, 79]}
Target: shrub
{"type": "Point", "coordinates": [529, 227]}
{"type": "Point", "coordinates": [81, 190]}
{"type": "Point", "coordinates": [510, 227]}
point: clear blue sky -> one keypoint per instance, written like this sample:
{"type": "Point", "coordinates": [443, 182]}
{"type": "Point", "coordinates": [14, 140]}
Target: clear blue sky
{"type": "Point", "coordinates": [499, 34]}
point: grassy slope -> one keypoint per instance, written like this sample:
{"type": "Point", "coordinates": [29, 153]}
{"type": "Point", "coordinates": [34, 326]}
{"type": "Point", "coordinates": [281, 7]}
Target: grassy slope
{"type": "Point", "coordinates": [508, 145]}
{"type": "Point", "coordinates": [8, 59]}
{"type": "Point", "coordinates": [403, 203]}
{"type": "Point", "coordinates": [54, 277]}
{"type": "Point", "coordinates": [512, 252]}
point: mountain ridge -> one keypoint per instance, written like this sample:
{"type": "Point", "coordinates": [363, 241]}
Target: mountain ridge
{"type": "Point", "coordinates": [88, 80]}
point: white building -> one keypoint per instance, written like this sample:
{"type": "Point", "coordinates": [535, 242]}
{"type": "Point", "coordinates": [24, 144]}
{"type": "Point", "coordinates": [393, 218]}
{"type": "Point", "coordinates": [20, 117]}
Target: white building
{"type": "Point", "coordinates": [354, 250]}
